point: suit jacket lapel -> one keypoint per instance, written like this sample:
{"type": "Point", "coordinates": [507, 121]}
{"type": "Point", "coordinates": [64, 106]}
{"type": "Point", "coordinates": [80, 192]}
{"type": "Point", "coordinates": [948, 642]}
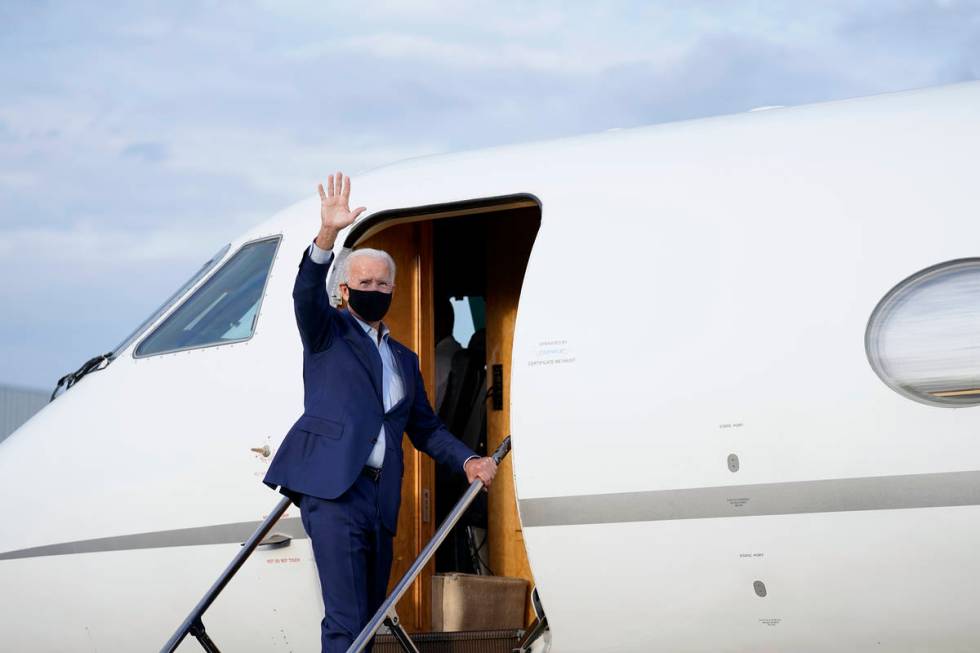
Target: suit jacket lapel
{"type": "Point", "coordinates": [365, 351]}
{"type": "Point", "coordinates": [408, 382]}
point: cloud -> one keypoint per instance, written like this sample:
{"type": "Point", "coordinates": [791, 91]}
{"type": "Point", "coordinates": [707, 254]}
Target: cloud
{"type": "Point", "coordinates": [153, 152]}
{"type": "Point", "coordinates": [458, 54]}
{"type": "Point", "coordinates": [18, 180]}
{"type": "Point", "coordinates": [914, 43]}
{"type": "Point", "coordinates": [139, 137]}
{"type": "Point", "coordinates": [279, 162]}
{"type": "Point", "coordinates": [88, 247]}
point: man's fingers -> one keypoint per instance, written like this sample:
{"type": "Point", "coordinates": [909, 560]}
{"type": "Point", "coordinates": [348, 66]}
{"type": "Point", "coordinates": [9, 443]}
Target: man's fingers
{"type": "Point", "coordinates": [487, 471]}
{"type": "Point", "coordinates": [338, 181]}
{"type": "Point", "coordinates": [484, 470]}
{"type": "Point", "coordinates": [330, 186]}
{"type": "Point", "coordinates": [489, 468]}
{"type": "Point", "coordinates": [359, 210]}
{"type": "Point", "coordinates": [345, 191]}
{"type": "Point", "coordinates": [323, 195]}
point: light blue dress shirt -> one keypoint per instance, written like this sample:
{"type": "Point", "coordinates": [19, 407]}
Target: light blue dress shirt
{"type": "Point", "coordinates": [392, 387]}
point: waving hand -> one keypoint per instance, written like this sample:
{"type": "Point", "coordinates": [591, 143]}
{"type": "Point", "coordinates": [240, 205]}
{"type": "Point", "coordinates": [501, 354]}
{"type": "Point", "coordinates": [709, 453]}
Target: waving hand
{"type": "Point", "coordinates": [335, 212]}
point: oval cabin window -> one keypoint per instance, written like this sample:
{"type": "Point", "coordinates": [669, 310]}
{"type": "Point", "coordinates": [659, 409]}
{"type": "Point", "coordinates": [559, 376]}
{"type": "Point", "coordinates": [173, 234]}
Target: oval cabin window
{"type": "Point", "coordinates": [923, 338]}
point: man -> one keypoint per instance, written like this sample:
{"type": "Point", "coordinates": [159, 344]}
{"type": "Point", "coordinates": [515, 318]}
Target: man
{"type": "Point", "coordinates": [341, 462]}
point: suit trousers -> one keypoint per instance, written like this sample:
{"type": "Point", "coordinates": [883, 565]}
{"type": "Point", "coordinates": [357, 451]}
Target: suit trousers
{"type": "Point", "coordinates": [353, 551]}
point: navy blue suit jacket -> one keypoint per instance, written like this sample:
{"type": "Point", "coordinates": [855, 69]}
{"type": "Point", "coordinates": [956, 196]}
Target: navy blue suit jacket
{"type": "Point", "coordinates": [327, 447]}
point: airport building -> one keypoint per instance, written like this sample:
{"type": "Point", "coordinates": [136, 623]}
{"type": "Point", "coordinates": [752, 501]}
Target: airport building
{"type": "Point", "coordinates": [17, 405]}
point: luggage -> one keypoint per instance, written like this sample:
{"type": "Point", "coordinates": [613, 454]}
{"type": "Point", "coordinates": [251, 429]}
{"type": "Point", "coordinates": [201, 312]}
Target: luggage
{"type": "Point", "coordinates": [471, 602]}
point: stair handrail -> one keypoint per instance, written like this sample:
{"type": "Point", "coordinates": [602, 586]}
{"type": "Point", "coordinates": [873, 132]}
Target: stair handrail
{"type": "Point", "coordinates": [428, 551]}
{"type": "Point", "coordinates": [194, 624]}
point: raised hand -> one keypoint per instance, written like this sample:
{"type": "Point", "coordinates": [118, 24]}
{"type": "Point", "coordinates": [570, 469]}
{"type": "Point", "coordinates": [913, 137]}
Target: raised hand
{"type": "Point", "coordinates": [335, 212]}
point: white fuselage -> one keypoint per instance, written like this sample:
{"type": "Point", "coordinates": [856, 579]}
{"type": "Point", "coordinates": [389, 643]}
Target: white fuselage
{"type": "Point", "coordinates": [696, 290]}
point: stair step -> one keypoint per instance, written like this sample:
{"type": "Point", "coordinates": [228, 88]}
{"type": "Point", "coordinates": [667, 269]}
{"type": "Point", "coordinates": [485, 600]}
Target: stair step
{"type": "Point", "coordinates": [470, 641]}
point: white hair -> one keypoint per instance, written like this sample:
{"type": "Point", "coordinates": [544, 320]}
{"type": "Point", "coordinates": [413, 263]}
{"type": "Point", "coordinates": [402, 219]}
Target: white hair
{"type": "Point", "coordinates": [367, 252]}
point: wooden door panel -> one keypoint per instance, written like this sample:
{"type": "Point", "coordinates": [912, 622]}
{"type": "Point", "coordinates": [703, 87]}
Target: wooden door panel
{"type": "Point", "coordinates": [411, 323]}
{"type": "Point", "coordinates": [509, 245]}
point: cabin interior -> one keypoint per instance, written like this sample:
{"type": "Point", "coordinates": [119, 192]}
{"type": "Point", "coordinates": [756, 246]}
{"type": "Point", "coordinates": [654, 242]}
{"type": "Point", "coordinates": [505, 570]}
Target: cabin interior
{"type": "Point", "coordinates": [460, 270]}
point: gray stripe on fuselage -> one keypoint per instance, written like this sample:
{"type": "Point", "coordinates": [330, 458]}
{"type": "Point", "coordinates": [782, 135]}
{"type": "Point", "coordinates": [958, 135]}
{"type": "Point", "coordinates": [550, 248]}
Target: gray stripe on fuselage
{"type": "Point", "coordinates": [198, 536]}
{"type": "Point", "coordinates": [833, 495]}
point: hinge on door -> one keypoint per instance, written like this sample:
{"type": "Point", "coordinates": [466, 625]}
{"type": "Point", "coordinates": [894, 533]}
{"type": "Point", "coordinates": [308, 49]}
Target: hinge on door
{"type": "Point", "coordinates": [426, 508]}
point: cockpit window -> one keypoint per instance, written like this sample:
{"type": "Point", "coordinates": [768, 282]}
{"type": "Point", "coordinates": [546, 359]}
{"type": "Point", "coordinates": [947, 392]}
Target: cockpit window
{"type": "Point", "coordinates": [223, 310]}
{"type": "Point", "coordinates": [165, 306]}
{"type": "Point", "coordinates": [923, 338]}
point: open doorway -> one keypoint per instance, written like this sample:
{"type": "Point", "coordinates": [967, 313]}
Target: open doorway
{"type": "Point", "coordinates": [460, 271]}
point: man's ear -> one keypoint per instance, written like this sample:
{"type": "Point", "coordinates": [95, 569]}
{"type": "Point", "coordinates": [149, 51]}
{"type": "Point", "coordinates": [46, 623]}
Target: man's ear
{"type": "Point", "coordinates": [344, 292]}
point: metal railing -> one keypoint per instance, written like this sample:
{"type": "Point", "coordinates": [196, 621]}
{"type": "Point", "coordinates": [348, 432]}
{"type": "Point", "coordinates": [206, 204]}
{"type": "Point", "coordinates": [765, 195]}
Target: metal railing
{"type": "Point", "coordinates": [194, 624]}
{"type": "Point", "coordinates": [388, 606]}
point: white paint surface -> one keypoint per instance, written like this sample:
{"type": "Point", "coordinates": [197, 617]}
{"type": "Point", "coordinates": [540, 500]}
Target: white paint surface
{"type": "Point", "coordinates": [688, 276]}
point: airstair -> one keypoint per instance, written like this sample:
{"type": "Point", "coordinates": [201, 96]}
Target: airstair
{"type": "Point", "coordinates": [385, 627]}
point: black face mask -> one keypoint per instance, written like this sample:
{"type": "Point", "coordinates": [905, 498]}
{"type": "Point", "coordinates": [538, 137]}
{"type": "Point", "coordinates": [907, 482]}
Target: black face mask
{"type": "Point", "coordinates": [371, 305]}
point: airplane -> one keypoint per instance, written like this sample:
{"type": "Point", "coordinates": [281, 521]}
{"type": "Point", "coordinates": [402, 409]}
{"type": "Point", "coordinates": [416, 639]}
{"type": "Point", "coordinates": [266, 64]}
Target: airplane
{"type": "Point", "coordinates": [736, 357]}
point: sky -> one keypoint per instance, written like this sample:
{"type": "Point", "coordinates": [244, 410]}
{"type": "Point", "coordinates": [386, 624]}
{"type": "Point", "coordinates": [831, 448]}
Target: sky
{"type": "Point", "coordinates": [136, 138]}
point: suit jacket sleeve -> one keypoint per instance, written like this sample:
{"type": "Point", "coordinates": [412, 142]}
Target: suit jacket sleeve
{"type": "Point", "coordinates": [311, 304]}
{"type": "Point", "coordinates": [429, 435]}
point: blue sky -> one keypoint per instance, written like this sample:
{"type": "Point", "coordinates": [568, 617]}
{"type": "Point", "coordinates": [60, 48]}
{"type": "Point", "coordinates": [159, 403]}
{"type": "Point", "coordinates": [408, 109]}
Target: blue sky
{"type": "Point", "coordinates": [137, 138]}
